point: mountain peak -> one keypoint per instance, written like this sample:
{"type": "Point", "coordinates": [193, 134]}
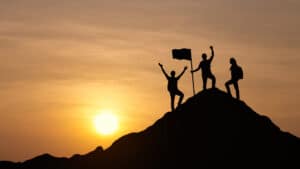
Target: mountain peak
{"type": "Point", "coordinates": [211, 129]}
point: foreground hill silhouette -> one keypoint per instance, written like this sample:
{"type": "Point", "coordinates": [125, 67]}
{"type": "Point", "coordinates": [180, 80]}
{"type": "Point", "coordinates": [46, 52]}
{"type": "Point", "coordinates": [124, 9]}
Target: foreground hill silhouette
{"type": "Point", "coordinates": [209, 130]}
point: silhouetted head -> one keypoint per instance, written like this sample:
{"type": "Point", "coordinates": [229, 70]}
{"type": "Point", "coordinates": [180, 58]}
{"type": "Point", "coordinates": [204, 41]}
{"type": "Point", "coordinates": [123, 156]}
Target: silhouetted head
{"type": "Point", "coordinates": [204, 56]}
{"type": "Point", "coordinates": [232, 61]}
{"type": "Point", "coordinates": [173, 73]}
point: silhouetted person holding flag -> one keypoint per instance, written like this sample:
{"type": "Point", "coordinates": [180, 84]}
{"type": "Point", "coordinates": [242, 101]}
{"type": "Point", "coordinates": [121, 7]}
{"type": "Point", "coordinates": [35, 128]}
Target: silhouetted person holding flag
{"type": "Point", "coordinates": [236, 75]}
{"type": "Point", "coordinates": [206, 70]}
{"type": "Point", "coordinates": [172, 85]}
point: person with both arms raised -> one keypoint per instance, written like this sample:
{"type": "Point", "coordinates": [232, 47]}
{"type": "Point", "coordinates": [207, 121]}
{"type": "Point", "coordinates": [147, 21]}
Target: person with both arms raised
{"type": "Point", "coordinates": [173, 85]}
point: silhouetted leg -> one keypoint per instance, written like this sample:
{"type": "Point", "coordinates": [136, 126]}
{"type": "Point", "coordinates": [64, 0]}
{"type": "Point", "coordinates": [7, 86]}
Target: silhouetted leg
{"type": "Point", "coordinates": [172, 101]}
{"type": "Point", "coordinates": [213, 78]}
{"type": "Point", "coordinates": [204, 79]}
{"type": "Point", "coordinates": [227, 86]}
{"type": "Point", "coordinates": [236, 87]}
{"type": "Point", "coordinates": [181, 95]}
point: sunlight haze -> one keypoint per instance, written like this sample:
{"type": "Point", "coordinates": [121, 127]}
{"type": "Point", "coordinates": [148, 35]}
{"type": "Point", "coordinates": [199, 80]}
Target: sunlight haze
{"type": "Point", "coordinates": [63, 61]}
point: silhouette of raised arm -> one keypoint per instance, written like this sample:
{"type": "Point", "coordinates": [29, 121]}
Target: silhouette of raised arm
{"type": "Point", "coordinates": [179, 76]}
{"type": "Point", "coordinates": [163, 70]}
{"type": "Point", "coordinates": [212, 53]}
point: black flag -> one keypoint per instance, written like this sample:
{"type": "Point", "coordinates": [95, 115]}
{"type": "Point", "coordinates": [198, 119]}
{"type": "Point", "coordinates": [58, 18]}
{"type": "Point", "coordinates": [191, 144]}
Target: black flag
{"type": "Point", "coordinates": [182, 54]}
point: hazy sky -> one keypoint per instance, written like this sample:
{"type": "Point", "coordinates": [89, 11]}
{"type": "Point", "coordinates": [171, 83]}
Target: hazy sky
{"type": "Point", "coordinates": [63, 61]}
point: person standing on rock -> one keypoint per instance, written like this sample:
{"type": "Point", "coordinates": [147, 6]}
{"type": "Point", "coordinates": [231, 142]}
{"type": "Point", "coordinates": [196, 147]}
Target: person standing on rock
{"type": "Point", "coordinates": [205, 65]}
{"type": "Point", "coordinates": [173, 85]}
{"type": "Point", "coordinates": [236, 75]}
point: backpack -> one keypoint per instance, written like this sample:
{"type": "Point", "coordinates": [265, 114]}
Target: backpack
{"type": "Point", "coordinates": [239, 72]}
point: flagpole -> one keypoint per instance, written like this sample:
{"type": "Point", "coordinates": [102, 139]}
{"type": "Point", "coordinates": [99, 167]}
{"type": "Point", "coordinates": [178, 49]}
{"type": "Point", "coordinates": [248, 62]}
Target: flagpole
{"type": "Point", "coordinates": [193, 76]}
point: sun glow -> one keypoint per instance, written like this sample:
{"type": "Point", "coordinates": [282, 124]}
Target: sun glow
{"type": "Point", "coordinates": [106, 122]}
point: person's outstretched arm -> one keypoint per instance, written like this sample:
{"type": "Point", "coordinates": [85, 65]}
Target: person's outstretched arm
{"type": "Point", "coordinates": [198, 68]}
{"type": "Point", "coordinates": [212, 53]}
{"type": "Point", "coordinates": [179, 76]}
{"type": "Point", "coordinates": [163, 70]}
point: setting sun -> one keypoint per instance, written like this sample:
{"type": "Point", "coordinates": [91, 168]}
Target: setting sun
{"type": "Point", "coordinates": [106, 122]}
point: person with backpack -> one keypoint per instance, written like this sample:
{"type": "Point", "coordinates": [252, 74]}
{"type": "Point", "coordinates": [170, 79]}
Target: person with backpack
{"type": "Point", "coordinates": [172, 85]}
{"type": "Point", "coordinates": [236, 75]}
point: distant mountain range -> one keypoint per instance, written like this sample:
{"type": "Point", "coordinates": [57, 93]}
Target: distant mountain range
{"type": "Point", "coordinates": [210, 130]}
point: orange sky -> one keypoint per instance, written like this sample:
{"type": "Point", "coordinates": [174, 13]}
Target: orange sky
{"type": "Point", "coordinates": [64, 61]}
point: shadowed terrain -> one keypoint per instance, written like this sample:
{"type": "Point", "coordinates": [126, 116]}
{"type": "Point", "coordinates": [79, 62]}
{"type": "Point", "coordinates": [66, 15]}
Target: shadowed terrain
{"type": "Point", "coordinates": [209, 130]}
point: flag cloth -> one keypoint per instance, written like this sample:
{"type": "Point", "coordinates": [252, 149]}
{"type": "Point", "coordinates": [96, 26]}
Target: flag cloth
{"type": "Point", "coordinates": [182, 54]}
